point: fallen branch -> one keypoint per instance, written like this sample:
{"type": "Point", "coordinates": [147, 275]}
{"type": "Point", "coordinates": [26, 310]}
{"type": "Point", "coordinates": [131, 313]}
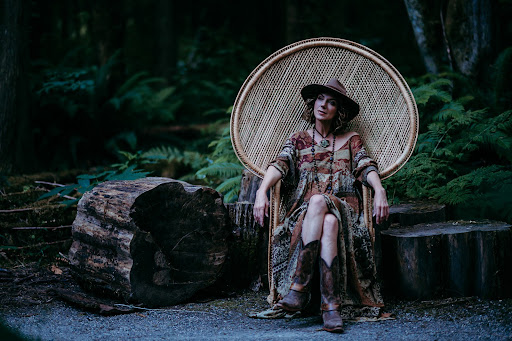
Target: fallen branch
{"type": "Point", "coordinates": [16, 248]}
{"type": "Point", "coordinates": [41, 227]}
{"type": "Point", "coordinates": [440, 303]}
{"type": "Point", "coordinates": [128, 306]}
{"type": "Point", "coordinates": [56, 185]}
{"type": "Point", "coordinates": [19, 210]}
{"type": "Point", "coordinates": [49, 183]}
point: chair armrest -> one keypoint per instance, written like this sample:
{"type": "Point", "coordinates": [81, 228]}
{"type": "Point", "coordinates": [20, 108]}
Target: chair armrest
{"type": "Point", "coordinates": [368, 211]}
{"type": "Point", "coordinates": [275, 202]}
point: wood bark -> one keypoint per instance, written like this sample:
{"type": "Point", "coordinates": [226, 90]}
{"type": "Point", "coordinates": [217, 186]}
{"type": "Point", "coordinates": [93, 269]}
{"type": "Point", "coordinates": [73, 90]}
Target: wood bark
{"type": "Point", "coordinates": [166, 47]}
{"type": "Point", "coordinates": [451, 258]}
{"type": "Point", "coordinates": [14, 93]}
{"type": "Point", "coordinates": [155, 240]}
{"type": "Point", "coordinates": [404, 215]}
{"type": "Point", "coordinates": [468, 30]}
{"type": "Point", "coordinates": [248, 187]}
{"type": "Point", "coordinates": [455, 33]}
{"type": "Point", "coordinates": [248, 248]}
{"type": "Point", "coordinates": [417, 212]}
{"type": "Point", "coordinates": [426, 22]}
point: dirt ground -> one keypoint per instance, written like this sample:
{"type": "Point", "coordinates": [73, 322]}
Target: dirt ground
{"type": "Point", "coordinates": [47, 304]}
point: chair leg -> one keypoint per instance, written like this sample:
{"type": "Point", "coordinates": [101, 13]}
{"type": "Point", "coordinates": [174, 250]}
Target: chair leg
{"type": "Point", "coordinates": [329, 288]}
{"type": "Point", "coordinates": [299, 294]}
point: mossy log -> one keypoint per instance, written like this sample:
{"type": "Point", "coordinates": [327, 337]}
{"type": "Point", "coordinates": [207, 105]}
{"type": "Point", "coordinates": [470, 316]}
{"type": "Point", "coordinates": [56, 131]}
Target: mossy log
{"type": "Point", "coordinates": [156, 241]}
{"type": "Point", "coordinates": [451, 259]}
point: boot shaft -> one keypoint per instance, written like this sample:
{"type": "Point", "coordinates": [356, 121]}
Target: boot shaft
{"type": "Point", "coordinates": [330, 285]}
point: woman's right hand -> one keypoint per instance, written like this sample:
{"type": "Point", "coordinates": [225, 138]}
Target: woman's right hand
{"type": "Point", "coordinates": [261, 204]}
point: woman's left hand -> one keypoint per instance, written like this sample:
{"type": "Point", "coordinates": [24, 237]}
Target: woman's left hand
{"type": "Point", "coordinates": [380, 206]}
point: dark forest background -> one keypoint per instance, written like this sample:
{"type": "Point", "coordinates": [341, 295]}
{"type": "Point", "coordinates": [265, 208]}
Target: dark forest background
{"type": "Point", "coordinates": [127, 87]}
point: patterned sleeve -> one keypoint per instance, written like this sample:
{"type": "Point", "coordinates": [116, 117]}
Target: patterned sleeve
{"type": "Point", "coordinates": [285, 161]}
{"type": "Point", "coordinates": [362, 164]}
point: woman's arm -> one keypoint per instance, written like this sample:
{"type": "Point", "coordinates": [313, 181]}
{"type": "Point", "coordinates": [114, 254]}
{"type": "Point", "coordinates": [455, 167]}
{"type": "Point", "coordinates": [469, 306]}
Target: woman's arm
{"type": "Point", "coordinates": [380, 202]}
{"type": "Point", "coordinates": [260, 210]}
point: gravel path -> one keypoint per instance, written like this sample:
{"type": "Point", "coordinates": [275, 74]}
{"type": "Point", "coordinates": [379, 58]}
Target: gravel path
{"type": "Point", "coordinates": [227, 318]}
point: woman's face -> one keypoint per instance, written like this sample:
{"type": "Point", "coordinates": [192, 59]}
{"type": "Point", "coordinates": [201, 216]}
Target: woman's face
{"type": "Point", "coordinates": [325, 108]}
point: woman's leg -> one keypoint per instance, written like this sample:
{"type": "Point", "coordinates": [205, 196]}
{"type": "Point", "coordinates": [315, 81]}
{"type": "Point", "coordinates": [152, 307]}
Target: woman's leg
{"type": "Point", "coordinates": [329, 239]}
{"type": "Point", "coordinates": [330, 275]}
{"type": "Point", "coordinates": [298, 296]}
{"type": "Point", "coordinates": [314, 219]}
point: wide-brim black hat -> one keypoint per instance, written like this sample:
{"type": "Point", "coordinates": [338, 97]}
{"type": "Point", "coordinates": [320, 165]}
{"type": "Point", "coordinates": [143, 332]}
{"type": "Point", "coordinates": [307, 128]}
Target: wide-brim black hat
{"type": "Point", "coordinates": [335, 88]}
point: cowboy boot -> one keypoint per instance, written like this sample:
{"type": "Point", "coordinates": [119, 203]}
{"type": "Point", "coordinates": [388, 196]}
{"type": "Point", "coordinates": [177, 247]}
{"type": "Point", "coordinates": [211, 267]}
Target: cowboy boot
{"type": "Point", "coordinates": [298, 296]}
{"type": "Point", "coordinates": [329, 289]}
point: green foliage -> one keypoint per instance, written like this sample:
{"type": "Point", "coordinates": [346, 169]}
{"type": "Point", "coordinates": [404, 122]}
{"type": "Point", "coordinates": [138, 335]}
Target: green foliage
{"type": "Point", "coordinates": [224, 170]}
{"type": "Point", "coordinates": [95, 115]}
{"type": "Point", "coordinates": [86, 182]}
{"type": "Point", "coordinates": [146, 99]}
{"type": "Point", "coordinates": [463, 154]}
{"type": "Point", "coordinates": [193, 159]}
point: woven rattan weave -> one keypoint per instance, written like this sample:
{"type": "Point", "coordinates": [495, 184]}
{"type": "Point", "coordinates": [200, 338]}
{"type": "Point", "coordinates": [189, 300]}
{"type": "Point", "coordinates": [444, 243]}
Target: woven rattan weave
{"type": "Point", "coordinates": [268, 107]}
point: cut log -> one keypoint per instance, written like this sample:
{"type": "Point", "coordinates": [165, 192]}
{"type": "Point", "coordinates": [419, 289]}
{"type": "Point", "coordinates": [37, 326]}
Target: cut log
{"type": "Point", "coordinates": [404, 215]}
{"type": "Point", "coordinates": [156, 241]}
{"type": "Point", "coordinates": [451, 259]}
{"type": "Point", "coordinates": [248, 247]}
{"type": "Point", "coordinates": [417, 212]}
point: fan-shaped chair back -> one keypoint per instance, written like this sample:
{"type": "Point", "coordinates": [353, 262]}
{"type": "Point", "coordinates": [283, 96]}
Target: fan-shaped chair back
{"type": "Point", "coordinates": [268, 107]}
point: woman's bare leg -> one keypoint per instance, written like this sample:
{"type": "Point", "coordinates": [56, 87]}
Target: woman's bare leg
{"type": "Point", "coordinates": [314, 219]}
{"type": "Point", "coordinates": [329, 238]}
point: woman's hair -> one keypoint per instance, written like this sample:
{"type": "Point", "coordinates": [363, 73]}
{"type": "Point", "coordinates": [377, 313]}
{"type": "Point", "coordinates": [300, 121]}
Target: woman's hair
{"type": "Point", "coordinates": [340, 124]}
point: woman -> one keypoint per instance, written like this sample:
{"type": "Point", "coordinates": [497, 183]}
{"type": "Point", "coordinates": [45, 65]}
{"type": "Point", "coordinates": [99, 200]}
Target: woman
{"type": "Point", "coordinates": [322, 169]}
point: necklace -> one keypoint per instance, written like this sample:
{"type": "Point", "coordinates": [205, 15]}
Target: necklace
{"type": "Point", "coordinates": [324, 143]}
{"type": "Point", "coordinates": [328, 188]}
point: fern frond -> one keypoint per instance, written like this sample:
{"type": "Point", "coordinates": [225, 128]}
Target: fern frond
{"type": "Point", "coordinates": [229, 184]}
{"type": "Point", "coordinates": [221, 170]}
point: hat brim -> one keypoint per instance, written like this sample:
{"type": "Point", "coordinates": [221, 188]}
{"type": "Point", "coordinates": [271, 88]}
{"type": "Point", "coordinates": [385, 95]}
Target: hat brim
{"type": "Point", "coordinates": [350, 106]}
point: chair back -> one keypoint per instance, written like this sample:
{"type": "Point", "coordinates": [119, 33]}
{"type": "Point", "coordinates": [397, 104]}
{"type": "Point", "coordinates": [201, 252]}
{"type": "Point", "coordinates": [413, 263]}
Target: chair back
{"type": "Point", "coordinates": [268, 107]}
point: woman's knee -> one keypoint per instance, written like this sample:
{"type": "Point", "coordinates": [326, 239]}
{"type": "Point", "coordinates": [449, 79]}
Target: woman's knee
{"type": "Point", "coordinates": [317, 205]}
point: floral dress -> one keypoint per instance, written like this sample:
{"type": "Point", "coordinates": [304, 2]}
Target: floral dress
{"type": "Point", "coordinates": [360, 291]}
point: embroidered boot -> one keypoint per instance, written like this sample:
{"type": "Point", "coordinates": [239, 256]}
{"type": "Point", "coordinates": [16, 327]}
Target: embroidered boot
{"type": "Point", "coordinates": [329, 289]}
{"type": "Point", "coordinates": [298, 296]}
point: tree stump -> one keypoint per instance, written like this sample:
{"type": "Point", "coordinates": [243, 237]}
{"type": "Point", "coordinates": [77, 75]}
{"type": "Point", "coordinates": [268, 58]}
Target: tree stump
{"type": "Point", "coordinates": [417, 212]}
{"type": "Point", "coordinates": [248, 248]}
{"type": "Point", "coordinates": [156, 241]}
{"type": "Point", "coordinates": [451, 259]}
{"type": "Point", "coordinates": [248, 187]}
{"type": "Point", "coordinates": [404, 215]}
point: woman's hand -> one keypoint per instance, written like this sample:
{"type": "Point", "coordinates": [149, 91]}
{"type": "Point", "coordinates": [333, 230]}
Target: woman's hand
{"type": "Point", "coordinates": [380, 202]}
{"type": "Point", "coordinates": [380, 206]}
{"type": "Point", "coordinates": [260, 210]}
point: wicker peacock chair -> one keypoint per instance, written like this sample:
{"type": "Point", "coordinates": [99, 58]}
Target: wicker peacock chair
{"type": "Point", "coordinates": [268, 109]}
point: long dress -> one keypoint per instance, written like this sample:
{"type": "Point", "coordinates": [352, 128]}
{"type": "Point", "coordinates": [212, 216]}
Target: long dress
{"type": "Point", "coordinates": [359, 288]}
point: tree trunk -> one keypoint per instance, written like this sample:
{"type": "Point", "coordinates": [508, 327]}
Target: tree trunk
{"type": "Point", "coordinates": [155, 240]}
{"type": "Point", "coordinates": [15, 135]}
{"type": "Point", "coordinates": [425, 17]}
{"type": "Point", "coordinates": [468, 30]}
{"type": "Point", "coordinates": [455, 33]}
{"type": "Point", "coordinates": [108, 29]}
{"type": "Point", "coordinates": [166, 47]}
